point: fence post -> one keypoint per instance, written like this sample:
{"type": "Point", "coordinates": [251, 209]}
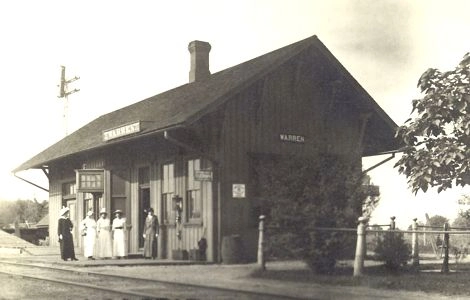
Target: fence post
{"type": "Point", "coordinates": [261, 260]}
{"type": "Point", "coordinates": [415, 244]}
{"type": "Point", "coordinates": [392, 223]}
{"type": "Point", "coordinates": [360, 246]}
{"type": "Point", "coordinates": [445, 245]}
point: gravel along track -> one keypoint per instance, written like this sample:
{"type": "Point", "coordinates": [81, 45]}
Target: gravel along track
{"type": "Point", "coordinates": [28, 281]}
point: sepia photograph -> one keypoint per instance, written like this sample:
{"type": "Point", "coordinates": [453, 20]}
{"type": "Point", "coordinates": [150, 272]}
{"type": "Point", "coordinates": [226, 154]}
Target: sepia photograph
{"type": "Point", "coordinates": [263, 149]}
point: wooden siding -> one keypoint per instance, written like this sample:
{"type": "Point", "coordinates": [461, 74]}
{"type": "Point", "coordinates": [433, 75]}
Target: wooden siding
{"type": "Point", "coordinates": [55, 204]}
{"type": "Point", "coordinates": [133, 213]}
{"type": "Point", "coordinates": [303, 97]}
{"type": "Point", "coordinates": [296, 99]}
{"type": "Point", "coordinates": [191, 232]}
{"type": "Point", "coordinates": [59, 177]}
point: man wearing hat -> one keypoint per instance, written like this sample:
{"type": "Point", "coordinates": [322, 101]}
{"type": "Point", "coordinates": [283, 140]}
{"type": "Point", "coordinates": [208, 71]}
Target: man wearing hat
{"type": "Point", "coordinates": [119, 235]}
{"type": "Point", "coordinates": [64, 230]}
{"type": "Point", "coordinates": [88, 229]}
{"type": "Point", "coordinates": [151, 228]}
{"type": "Point", "coordinates": [104, 247]}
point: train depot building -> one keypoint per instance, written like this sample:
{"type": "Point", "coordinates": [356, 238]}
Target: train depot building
{"type": "Point", "coordinates": [190, 152]}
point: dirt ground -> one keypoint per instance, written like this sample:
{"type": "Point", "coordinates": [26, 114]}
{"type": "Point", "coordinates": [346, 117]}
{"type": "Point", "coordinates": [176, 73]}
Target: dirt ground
{"type": "Point", "coordinates": [291, 279]}
{"type": "Point", "coordinates": [26, 289]}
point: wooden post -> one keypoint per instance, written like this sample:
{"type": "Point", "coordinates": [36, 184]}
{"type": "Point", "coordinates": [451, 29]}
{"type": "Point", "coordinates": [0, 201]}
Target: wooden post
{"type": "Point", "coordinates": [445, 263]}
{"type": "Point", "coordinates": [17, 228]}
{"type": "Point", "coordinates": [415, 244]}
{"type": "Point", "coordinates": [261, 260]}
{"type": "Point", "coordinates": [360, 247]}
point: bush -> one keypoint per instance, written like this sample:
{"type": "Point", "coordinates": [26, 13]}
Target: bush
{"type": "Point", "coordinates": [301, 194]}
{"type": "Point", "coordinates": [393, 250]}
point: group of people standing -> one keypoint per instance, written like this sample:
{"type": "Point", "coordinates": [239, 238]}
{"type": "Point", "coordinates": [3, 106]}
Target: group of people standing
{"type": "Point", "coordinates": [103, 238]}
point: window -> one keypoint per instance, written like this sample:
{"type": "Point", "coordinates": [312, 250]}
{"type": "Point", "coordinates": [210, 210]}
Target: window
{"type": "Point", "coordinates": [193, 191]}
{"type": "Point", "coordinates": [119, 180]}
{"type": "Point", "coordinates": [144, 200]}
{"type": "Point", "coordinates": [69, 192]}
{"type": "Point", "coordinates": [88, 203]}
{"type": "Point", "coordinates": [69, 189]}
{"type": "Point", "coordinates": [93, 202]}
{"type": "Point", "coordinates": [168, 191]}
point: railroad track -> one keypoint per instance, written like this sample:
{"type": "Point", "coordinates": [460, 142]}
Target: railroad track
{"type": "Point", "coordinates": [125, 286]}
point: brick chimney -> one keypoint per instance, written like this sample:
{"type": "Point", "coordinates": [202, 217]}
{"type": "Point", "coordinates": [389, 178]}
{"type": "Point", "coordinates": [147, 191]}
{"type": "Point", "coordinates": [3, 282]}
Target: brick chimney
{"type": "Point", "coordinates": [199, 60]}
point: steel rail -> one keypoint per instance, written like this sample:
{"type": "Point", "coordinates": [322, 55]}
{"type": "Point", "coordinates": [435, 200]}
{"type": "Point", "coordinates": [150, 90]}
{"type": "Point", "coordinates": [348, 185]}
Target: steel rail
{"type": "Point", "coordinates": [82, 285]}
{"type": "Point", "coordinates": [124, 277]}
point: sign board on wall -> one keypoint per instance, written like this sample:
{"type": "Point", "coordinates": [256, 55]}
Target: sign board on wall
{"type": "Point", "coordinates": [90, 180]}
{"type": "Point", "coordinates": [203, 175]}
{"type": "Point", "coordinates": [120, 131]}
{"type": "Point", "coordinates": [293, 138]}
{"type": "Point", "coordinates": [238, 190]}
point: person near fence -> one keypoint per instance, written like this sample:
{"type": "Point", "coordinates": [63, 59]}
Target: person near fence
{"type": "Point", "coordinates": [64, 231]}
{"type": "Point", "coordinates": [151, 228]}
{"type": "Point", "coordinates": [104, 246]}
{"type": "Point", "coordinates": [88, 230]}
{"type": "Point", "coordinates": [119, 235]}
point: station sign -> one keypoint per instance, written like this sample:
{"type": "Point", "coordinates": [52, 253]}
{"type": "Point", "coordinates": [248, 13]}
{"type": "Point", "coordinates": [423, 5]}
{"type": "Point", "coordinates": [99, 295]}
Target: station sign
{"type": "Point", "coordinates": [123, 130]}
{"type": "Point", "coordinates": [90, 180]}
{"type": "Point", "coordinates": [292, 138]}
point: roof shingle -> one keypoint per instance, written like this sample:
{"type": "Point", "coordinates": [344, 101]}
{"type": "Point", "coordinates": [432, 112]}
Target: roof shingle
{"type": "Point", "coordinates": [179, 106]}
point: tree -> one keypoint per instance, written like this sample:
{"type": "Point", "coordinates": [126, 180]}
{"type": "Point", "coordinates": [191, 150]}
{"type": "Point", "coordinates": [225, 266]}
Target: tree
{"type": "Point", "coordinates": [437, 221]}
{"type": "Point", "coordinates": [7, 214]}
{"type": "Point", "coordinates": [302, 194]}
{"type": "Point", "coordinates": [438, 133]}
{"type": "Point", "coordinates": [461, 221]}
{"type": "Point", "coordinates": [372, 194]}
{"type": "Point", "coordinates": [464, 215]}
{"type": "Point", "coordinates": [22, 211]}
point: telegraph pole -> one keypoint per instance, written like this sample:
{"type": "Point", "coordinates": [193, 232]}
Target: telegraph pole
{"type": "Point", "coordinates": [64, 93]}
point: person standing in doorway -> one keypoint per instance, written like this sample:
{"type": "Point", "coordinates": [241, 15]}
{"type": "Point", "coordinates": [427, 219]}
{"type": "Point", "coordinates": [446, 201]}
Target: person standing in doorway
{"type": "Point", "coordinates": [64, 230]}
{"type": "Point", "coordinates": [151, 228]}
{"type": "Point", "coordinates": [119, 235]}
{"type": "Point", "coordinates": [88, 229]}
{"type": "Point", "coordinates": [103, 230]}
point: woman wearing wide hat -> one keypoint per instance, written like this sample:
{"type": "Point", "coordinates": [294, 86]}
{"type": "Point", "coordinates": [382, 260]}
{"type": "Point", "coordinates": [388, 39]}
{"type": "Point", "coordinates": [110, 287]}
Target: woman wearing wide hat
{"type": "Point", "coordinates": [64, 231]}
{"type": "Point", "coordinates": [119, 235]}
{"type": "Point", "coordinates": [88, 229]}
{"type": "Point", "coordinates": [104, 246]}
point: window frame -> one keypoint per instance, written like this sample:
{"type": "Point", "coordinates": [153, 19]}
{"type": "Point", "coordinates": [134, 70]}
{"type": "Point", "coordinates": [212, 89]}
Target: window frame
{"type": "Point", "coordinates": [119, 189]}
{"type": "Point", "coordinates": [168, 189]}
{"type": "Point", "coordinates": [193, 187]}
{"type": "Point", "coordinates": [69, 191]}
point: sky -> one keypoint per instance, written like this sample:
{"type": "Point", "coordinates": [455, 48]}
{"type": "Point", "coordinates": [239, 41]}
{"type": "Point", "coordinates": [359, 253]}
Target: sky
{"type": "Point", "coordinates": [126, 51]}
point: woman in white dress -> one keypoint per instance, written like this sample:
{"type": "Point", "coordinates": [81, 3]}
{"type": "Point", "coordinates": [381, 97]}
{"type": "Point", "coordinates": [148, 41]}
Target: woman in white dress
{"type": "Point", "coordinates": [119, 235]}
{"type": "Point", "coordinates": [88, 229]}
{"type": "Point", "coordinates": [104, 247]}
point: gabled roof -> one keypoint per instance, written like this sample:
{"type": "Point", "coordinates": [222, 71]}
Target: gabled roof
{"type": "Point", "coordinates": [12, 241]}
{"type": "Point", "coordinates": [44, 222]}
{"type": "Point", "coordinates": [185, 104]}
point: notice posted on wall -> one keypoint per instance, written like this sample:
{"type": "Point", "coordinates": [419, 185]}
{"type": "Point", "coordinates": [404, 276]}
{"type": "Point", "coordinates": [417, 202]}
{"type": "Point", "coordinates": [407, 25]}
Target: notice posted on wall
{"type": "Point", "coordinates": [238, 190]}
